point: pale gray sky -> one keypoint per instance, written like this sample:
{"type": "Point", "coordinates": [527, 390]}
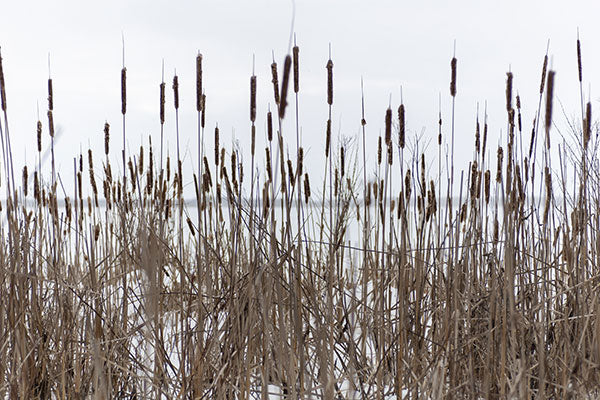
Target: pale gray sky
{"type": "Point", "coordinates": [388, 43]}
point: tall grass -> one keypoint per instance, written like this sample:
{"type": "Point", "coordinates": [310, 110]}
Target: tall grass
{"type": "Point", "coordinates": [258, 293]}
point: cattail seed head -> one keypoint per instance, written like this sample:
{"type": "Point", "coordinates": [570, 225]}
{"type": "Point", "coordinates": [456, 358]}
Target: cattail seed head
{"type": "Point", "coordinates": [275, 81]}
{"type": "Point", "coordinates": [296, 53]}
{"type": "Point", "coordinates": [579, 67]}
{"type": "Point", "coordinates": [2, 86]}
{"type": "Point", "coordinates": [329, 82]}
{"type": "Point", "coordinates": [287, 64]}
{"type": "Point", "coordinates": [291, 172]}
{"type": "Point", "coordinates": [328, 138]}
{"type": "Point", "coordinates": [500, 157]}
{"type": "Point", "coordinates": [162, 103]}
{"type": "Point", "coordinates": [269, 171]}
{"type": "Point", "coordinates": [50, 96]}
{"type": "Point", "coordinates": [106, 137]}
{"type": "Point", "coordinates": [51, 123]}
{"type": "Point", "coordinates": [402, 133]}
{"type": "Point", "coordinates": [379, 151]}
{"type": "Point", "coordinates": [269, 126]}
{"type": "Point", "coordinates": [587, 125]}
{"type": "Point", "coordinates": [199, 82]}
{"type": "Point", "coordinates": [453, 77]}
{"type": "Point", "coordinates": [487, 186]}
{"type": "Point", "coordinates": [300, 161]}
{"type": "Point", "coordinates": [549, 94]}
{"type": "Point", "coordinates": [388, 126]}
{"type": "Point", "coordinates": [477, 136]}
{"type": "Point", "coordinates": [39, 136]}
{"type": "Point", "coordinates": [342, 161]}
{"type": "Point", "coordinates": [203, 115]}
{"type": "Point", "coordinates": [36, 186]}
{"type": "Point", "coordinates": [306, 188]}
{"type": "Point", "coordinates": [544, 74]}
{"type": "Point", "coordinates": [25, 176]}
{"type": "Point", "coordinates": [123, 90]}
{"type": "Point", "coordinates": [176, 91]}
{"type": "Point", "coordinates": [509, 82]}
{"type": "Point", "coordinates": [217, 146]}
{"type": "Point", "coordinates": [253, 139]}
{"type": "Point", "coordinates": [253, 98]}
{"type": "Point", "coordinates": [390, 154]}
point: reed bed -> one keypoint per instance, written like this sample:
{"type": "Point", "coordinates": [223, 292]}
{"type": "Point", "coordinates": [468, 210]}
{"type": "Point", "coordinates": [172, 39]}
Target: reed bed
{"type": "Point", "coordinates": [479, 283]}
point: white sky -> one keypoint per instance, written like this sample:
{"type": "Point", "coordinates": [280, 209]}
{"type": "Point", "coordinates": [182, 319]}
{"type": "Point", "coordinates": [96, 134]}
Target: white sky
{"type": "Point", "coordinates": [389, 43]}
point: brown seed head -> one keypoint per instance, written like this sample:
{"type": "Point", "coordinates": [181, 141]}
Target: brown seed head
{"type": "Point", "coordinates": [253, 98]}
{"type": "Point", "coordinates": [106, 137]}
{"type": "Point", "coordinates": [453, 77]}
{"type": "Point", "coordinates": [329, 67]}
{"type": "Point", "coordinates": [51, 123]}
{"type": "Point", "coordinates": [509, 81]}
{"type": "Point", "coordinates": [199, 82]}
{"type": "Point", "coordinates": [549, 95]}
{"type": "Point", "coordinates": [275, 81]}
{"type": "Point", "coordinates": [162, 103]}
{"type": "Point", "coordinates": [176, 91]}
{"type": "Point", "coordinates": [588, 124]}
{"type": "Point", "coordinates": [328, 138]}
{"type": "Point", "coordinates": [217, 146]}
{"type": "Point", "coordinates": [544, 74]}
{"type": "Point", "coordinates": [50, 96]}
{"type": "Point", "coordinates": [39, 136]}
{"type": "Point", "coordinates": [401, 119]}
{"type": "Point", "coordinates": [579, 68]}
{"type": "Point", "coordinates": [388, 126]}
{"type": "Point", "coordinates": [123, 90]}
{"type": "Point", "coordinates": [296, 52]}
{"type": "Point", "coordinates": [284, 85]}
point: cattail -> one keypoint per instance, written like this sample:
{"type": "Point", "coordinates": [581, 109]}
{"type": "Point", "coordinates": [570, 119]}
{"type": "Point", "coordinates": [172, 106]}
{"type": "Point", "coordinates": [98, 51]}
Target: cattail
{"type": "Point", "coordinates": [169, 168]}
{"type": "Point", "coordinates": [50, 123]}
{"type": "Point", "coordinates": [176, 92]}
{"type": "Point", "coordinates": [291, 172]}
{"type": "Point", "coordinates": [162, 103]}
{"type": "Point", "coordinates": [368, 195]}
{"type": "Point", "coordinates": [2, 87]}
{"type": "Point", "coordinates": [306, 188]}
{"type": "Point", "coordinates": [253, 139]}
{"type": "Point", "coordinates": [203, 115]}
{"type": "Point", "coordinates": [487, 186]}
{"type": "Point", "coordinates": [579, 67]}
{"type": "Point", "coordinates": [379, 151]}
{"type": "Point", "coordinates": [287, 64]}
{"type": "Point", "coordinates": [141, 160]}
{"type": "Point", "coordinates": [453, 80]}
{"type": "Point", "coordinates": [328, 138]}
{"type": "Point", "coordinates": [440, 129]}
{"type": "Point", "coordinates": [549, 93]}
{"type": "Point", "coordinates": [269, 172]}
{"type": "Point", "coordinates": [132, 173]}
{"type": "Point", "coordinates": [500, 157]}
{"type": "Point", "coordinates": [587, 124]}
{"type": "Point", "coordinates": [222, 161]}
{"type": "Point", "coordinates": [474, 176]}
{"type": "Point", "coordinates": [296, 53]}
{"type": "Point", "coordinates": [388, 126]}
{"type": "Point", "coordinates": [477, 135]}
{"type": "Point", "coordinates": [402, 121]}
{"type": "Point", "coordinates": [407, 185]}
{"type": "Point", "coordinates": [300, 161]}
{"type": "Point", "coordinates": [217, 146]}
{"type": "Point", "coordinates": [191, 226]}
{"type": "Point", "coordinates": [329, 82]}
{"type": "Point", "coordinates": [336, 183]}
{"type": "Point", "coordinates": [519, 111]}
{"type": "Point", "coordinates": [390, 151]}
{"type": "Point", "coordinates": [544, 74]}
{"type": "Point", "coordinates": [269, 126]}
{"type": "Point", "coordinates": [275, 82]}
{"type": "Point", "coordinates": [509, 81]}
{"type": "Point", "coordinates": [36, 186]}
{"type": "Point", "coordinates": [123, 90]}
{"type": "Point", "coordinates": [199, 82]}
{"type": "Point", "coordinates": [106, 137]}
{"type": "Point", "coordinates": [207, 173]}
{"type": "Point", "coordinates": [39, 136]}
{"type": "Point", "coordinates": [253, 98]}
{"type": "Point", "coordinates": [25, 176]}
{"type": "Point", "coordinates": [548, 181]}
{"type": "Point", "coordinates": [50, 95]}
{"type": "Point", "coordinates": [342, 160]}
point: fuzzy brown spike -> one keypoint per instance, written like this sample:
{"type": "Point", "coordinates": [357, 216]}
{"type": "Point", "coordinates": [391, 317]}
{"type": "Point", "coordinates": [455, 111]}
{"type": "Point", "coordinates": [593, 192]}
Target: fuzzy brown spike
{"type": "Point", "coordinates": [306, 188]}
{"type": "Point", "coordinates": [453, 77]}
{"type": "Point", "coordinates": [296, 55]}
{"type": "Point", "coordinates": [269, 126]}
{"type": "Point", "coordinates": [203, 115]}
{"type": "Point", "coordinates": [328, 138]}
{"type": "Point", "coordinates": [216, 146]}
{"type": "Point", "coordinates": [329, 67]}
{"type": "Point", "coordinates": [106, 137]}
{"type": "Point", "coordinates": [388, 126]}
{"type": "Point", "coordinates": [176, 91]}
{"type": "Point", "coordinates": [199, 82]}
{"type": "Point", "coordinates": [402, 122]}
{"type": "Point", "coordinates": [587, 125]}
{"type": "Point", "coordinates": [162, 103]}
{"type": "Point", "coordinates": [509, 82]}
{"type": "Point", "coordinates": [579, 66]}
{"type": "Point", "coordinates": [549, 100]}
{"type": "Point", "coordinates": [275, 81]}
{"type": "Point", "coordinates": [379, 149]}
{"type": "Point", "coordinates": [253, 98]}
{"type": "Point", "coordinates": [50, 96]}
{"type": "Point", "coordinates": [39, 136]}
{"type": "Point", "coordinates": [544, 74]}
{"type": "Point", "coordinates": [287, 64]}
{"type": "Point", "coordinates": [123, 90]}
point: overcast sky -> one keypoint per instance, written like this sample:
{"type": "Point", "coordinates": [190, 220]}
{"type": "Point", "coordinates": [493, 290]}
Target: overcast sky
{"type": "Point", "coordinates": [390, 44]}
